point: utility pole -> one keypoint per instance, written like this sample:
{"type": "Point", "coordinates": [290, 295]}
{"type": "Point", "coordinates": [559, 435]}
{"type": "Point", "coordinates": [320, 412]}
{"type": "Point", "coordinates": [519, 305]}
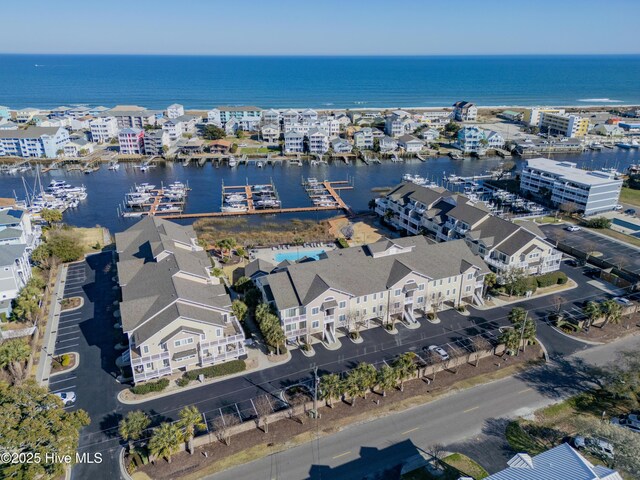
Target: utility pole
{"type": "Point", "coordinates": [524, 322]}
{"type": "Point", "coordinates": [316, 382]}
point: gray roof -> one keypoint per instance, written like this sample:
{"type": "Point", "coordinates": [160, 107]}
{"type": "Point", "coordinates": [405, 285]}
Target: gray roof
{"type": "Point", "coordinates": [515, 242]}
{"type": "Point", "coordinates": [9, 253]}
{"type": "Point", "coordinates": [410, 191]}
{"type": "Point", "coordinates": [467, 212]}
{"type": "Point", "coordinates": [29, 132]}
{"type": "Point", "coordinates": [10, 216]}
{"type": "Point", "coordinates": [151, 254]}
{"type": "Point", "coordinates": [258, 266]}
{"type": "Point", "coordinates": [357, 272]}
{"type": "Point", "coordinates": [559, 463]}
{"type": "Point", "coordinates": [10, 232]}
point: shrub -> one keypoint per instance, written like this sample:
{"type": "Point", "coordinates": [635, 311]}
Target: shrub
{"type": "Point", "coordinates": [305, 347]}
{"type": "Point", "coordinates": [523, 285]}
{"type": "Point", "coordinates": [226, 368]}
{"type": "Point", "coordinates": [149, 387]}
{"type": "Point", "coordinates": [551, 278]}
{"type": "Point", "coordinates": [183, 382]}
{"type": "Point", "coordinates": [599, 222]}
{"type": "Point", "coordinates": [65, 360]}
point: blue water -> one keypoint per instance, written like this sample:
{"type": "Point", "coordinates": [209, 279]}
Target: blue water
{"type": "Point", "coordinates": [295, 256]}
{"type": "Point", "coordinates": [320, 82]}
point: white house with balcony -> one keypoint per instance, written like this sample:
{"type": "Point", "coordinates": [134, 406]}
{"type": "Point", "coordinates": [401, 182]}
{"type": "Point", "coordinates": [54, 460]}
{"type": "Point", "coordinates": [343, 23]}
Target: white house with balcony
{"type": "Point", "coordinates": [103, 129]}
{"type": "Point", "coordinates": [177, 127]}
{"type": "Point", "coordinates": [464, 111]}
{"type": "Point", "coordinates": [270, 133]}
{"type": "Point", "coordinates": [410, 144]}
{"type": "Point", "coordinates": [402, 278]}
{"type": "Point", "coordinates": [176, 315]}
{"type": "Point", "coordinates": [363, 139]}
{"type": "Point", "coordinates": [318, 141]}
{"type": "Point", "coordinates": [341, 145]}
{"type": "Point", "coordinates": [448, 216]}
{"type": "Point", "coordinates": [174, 111]}
{"type": "Point", "coordinates": [35, 142]}
{"type": "Point", "coordinates": [293, 142]}
{"type": "Point", "coordinates": [221, 115]}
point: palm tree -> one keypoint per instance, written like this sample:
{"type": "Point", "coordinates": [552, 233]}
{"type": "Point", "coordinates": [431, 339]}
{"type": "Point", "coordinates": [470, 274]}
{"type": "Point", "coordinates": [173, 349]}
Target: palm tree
{"type": "Point", "coordinates": [366, 374]}
{"type": "Point", "coordinates": [511, 340]}
{"type": "Point", "coordinates": [387, 378]}
{"type": "Point", "coordinates": [611, 310]}
{"type": "Point", "coordinates": [165, 440]}
{"type": "Point", "coordinates": [517, 315]}
{"type": "Point", "coordinates": [592, 311]}
{"type": "Point", "coordinates": [352, 387]}
{"type": "Point", "coordinates": [191, 420]}
{"type": "Point", "coordinates": [404, 367]}
{"type": "Point", "coordinates": [490, 279]}
{"type": "Point", "coordinates": [14, 351]}
{"type": "Point", "coordinates": [261, 311]}
{"type": "Point", "coordinates": [133, 426]}
{"type": "Point", "coordinates": [331, 387]}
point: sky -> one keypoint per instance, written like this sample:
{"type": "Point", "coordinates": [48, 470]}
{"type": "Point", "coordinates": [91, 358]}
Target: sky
{"type": "Point", "coordinates": [321, 27]}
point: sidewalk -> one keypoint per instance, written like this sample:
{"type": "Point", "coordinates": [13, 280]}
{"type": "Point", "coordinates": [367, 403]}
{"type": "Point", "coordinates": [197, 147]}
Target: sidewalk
{"type": "Point", "coordinates": [49, 340]}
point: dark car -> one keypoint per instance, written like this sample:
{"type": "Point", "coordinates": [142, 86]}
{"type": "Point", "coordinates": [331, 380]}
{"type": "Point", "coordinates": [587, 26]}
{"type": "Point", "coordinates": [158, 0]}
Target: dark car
{"type": "Point", "coordinates": [630, 211]}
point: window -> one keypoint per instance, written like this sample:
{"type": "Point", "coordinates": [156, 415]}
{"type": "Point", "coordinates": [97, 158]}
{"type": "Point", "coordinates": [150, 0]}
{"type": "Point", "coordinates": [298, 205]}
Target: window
{"type": "Point", "coordinates": [342, 304]}
{"type": "Point", "coordinates": [449, 281]}
{"type": "Point", "coordinates": [421, 287]}
{"type": "Point", "coordinates": [396, 305]}
{"type": "Point", "coordinates": [440, 281]}
{"type": "Point", "coordinates": [358, 300]}
{"type": "Point", "coordinates": [203, 336]}
{"type": "Point", "coordinates": [397, 292]}
{"type": "Point", "coordinates": [148, 366]}
{"type": "Point", "coordinates": [420, 300]}
{"type": "Point", "coordinates": [374, 309]}
{"type": "Point", "coordinates": [364, 312]}
{"type": "Point", "coordinates": [342, 318]}
{"type": "Point", "coordinates": [315, 310]}
{"type": "Point", "coordinates": [218, 332]}
{"type": "Point", "coordinates": [447, 292]}
{"type": "Point", "coordinates": [290, 312]}
{"type": "Point", "coordinates": [364, 299]}
{"type": "Point", "coordinates": [145, 349]}
{"type": "Point", "coordinates": [184, 341]}
{"type": "Point", "coordinates": [470, 276]}
{"type": "Point", "coordinates": [288, 327]}
{"type": "Point", "coordinates": [467, 288]}
{"type": "Point", "coordinates": [315, 324]}
{"type": "Point", "coordinates": [375, 295]}
{"type": "Point", "coordinates": [303, 325]}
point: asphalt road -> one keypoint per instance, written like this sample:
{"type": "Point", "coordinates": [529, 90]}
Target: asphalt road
{"type": "Point", "coordinates": [96, 387]}
{"type": "Point", "coordinates": [371, 449]}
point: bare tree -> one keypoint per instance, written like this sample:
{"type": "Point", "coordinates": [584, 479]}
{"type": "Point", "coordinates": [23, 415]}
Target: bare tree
{"type": "Point", "coordinates": [437, 452]}
{"type": "Point", "coordinates": [479, 344]}
{"type": "Point", "coordinates": [222, 425]}
{"type": "Point", "coordinates": [294, 405]}
{"type": "Point", "coordinates": [590, 248]}
{"type": "Point", "coordinates": [263, 410]}
{"type": "Point", "coordinates": [558, 302]}
{"type": "Point", "coordinates": [452, 364]}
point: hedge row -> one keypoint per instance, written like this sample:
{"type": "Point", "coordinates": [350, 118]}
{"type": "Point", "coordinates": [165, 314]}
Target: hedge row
{"type": "Point", "coordinates": [149, 387]}
{"type": "Point", "coordinates": [552, 278]}
{"type": "Point", "coordinates": [226, 368]}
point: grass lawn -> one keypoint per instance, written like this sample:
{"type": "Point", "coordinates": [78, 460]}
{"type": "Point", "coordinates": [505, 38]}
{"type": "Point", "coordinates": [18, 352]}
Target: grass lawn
{"type": "Point", "coordinates": [618, 236]}
{"type": "Point", "coordinates": [255, 150]}
{"type": "Point", "coordinates": [457, 465]}
{"type": "Point", "coordinates": [630, 196]}
{"type": "Point", "coordinates": [89, 238]}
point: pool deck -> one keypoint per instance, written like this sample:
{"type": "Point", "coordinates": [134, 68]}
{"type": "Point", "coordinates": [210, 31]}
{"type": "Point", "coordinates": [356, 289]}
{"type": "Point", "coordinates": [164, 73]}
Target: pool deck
{"type": "Point", "coordinates": [269, 254]}
{"type": "Point", "coordinates": [630, 220]}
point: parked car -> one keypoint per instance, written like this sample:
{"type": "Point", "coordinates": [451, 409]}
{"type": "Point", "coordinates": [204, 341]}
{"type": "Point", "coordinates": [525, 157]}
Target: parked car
{"type": "Point", "coordinates": [630, 211]}
{"type": "Point", "coordinates": [618, 207]}
{"type": "Point", "coordinates": [631, 421]}
{"type": "Point", "coordinates": [572, 228]}
{"type": "Point", "coordinates": [595, 446]}
{"type": "Point", "coordinates": [67, 397]}
{"type": "Point", "coordinates": [576, 262]}
{"type": "Point", "coordinates": [625, 302]}
{"type": "Point", "coordinates": [440, 351]}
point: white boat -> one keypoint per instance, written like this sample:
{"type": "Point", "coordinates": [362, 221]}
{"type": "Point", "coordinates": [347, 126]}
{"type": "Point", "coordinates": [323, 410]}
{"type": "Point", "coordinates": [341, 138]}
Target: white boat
{"type": "Point", "coordinates": [234, 208]}
{"type": "Point", "coordinates": [137, 198]}
{"type": "Point", "coordinates": [635, 144]}
{"type": "Point", "coordinates": [144, 187]}
{"type": "Point", "coordinates": [114, 166]}
{"type": "Point", "coordinates": [259, 164]}
{"type": "Point", "coordinates": [234, 198]}
{"type": "Point", "coordinates": [455, 156]}
{"type": "Point", "coordinates": [232, 161]}
{"type": "Point", "coordinates": [168, 208]}
{"type": "Point", "coordinates": [417, 179]}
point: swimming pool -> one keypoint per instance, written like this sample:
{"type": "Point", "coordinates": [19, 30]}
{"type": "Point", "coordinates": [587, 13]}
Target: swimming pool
{"type": "Point", "coordinates": [294, 255]}
{"type": "Point", "coordinates": [623, 223]}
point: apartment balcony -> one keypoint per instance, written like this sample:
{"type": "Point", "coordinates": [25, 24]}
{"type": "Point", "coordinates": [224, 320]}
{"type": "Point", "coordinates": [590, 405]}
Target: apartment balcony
{"type": "Point", "coordinates": [329, 318]}
{"type": "Point", "coordinates": [298, 332]}
{"type": "Point", "coordinates": [223, 357]}
{"type": "Point", "coordinates": [290, 320]}
{"type": "Point", "coordinates": [444, 237]}
{"type": "Point", "coordinates": [150, 374]}
{"type": "Point", "coordinates": [500, 265]}
{"type": "Point", "coordinates": [228, 340]}
{"type": "Point", "coordinates": [158, 357]}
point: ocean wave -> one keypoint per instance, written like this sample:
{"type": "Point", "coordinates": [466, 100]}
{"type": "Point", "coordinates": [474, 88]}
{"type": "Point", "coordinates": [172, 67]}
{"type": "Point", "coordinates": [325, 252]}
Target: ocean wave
{"type": "Point", "coordinates": [600, 100]}
{"type": "Point", "coordinates": [360, 103]}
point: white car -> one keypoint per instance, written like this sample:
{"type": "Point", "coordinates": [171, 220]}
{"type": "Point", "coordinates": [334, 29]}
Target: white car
{"type": "Point", "coordinates": [67, 397]}
{"type": "Point", "coordinates": [618, 207]}
{"type": "Point", "coordinates": [243, 145]}
{"type": "Point", "coordinates": [631, 421]}
{"type": "Point", "coordinates": [440, 351]}
{"type": "Point", "coordinates": [625, 302]}
{"type": "Point", "coordinates": [572, 228]}
{"type": "Point", "coordinates": [596, 446]}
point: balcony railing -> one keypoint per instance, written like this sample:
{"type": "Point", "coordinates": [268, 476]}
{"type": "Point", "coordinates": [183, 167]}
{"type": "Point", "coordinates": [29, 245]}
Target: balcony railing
{"type": "Point", "coordinates": [328, 318]}
{"type": "Point", "coordinates": [222, 341]}
{"type": "Point", "coordinates": [151, 374]}
{"type": "Point", "coordinates": [290, 320]}
{"type": "Point", "coordinates": [223, 357]}
{"type": "Point", "coordinates": [158, 357]}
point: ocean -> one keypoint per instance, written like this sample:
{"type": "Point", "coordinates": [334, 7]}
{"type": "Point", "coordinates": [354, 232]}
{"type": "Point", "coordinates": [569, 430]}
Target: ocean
{"type": "Point", "coordinates": [202, 82]}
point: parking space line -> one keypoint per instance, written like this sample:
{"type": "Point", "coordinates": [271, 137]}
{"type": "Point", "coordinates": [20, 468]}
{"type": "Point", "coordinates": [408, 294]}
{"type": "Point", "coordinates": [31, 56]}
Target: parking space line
{"type": "Point", "coordinates": [409, 431]}
{"type": "Point", "coordinates": [73, 377]}
{"type": "Point", "coordinates": [68, 326]}
{"type": "Point", "coordinates": [65, 349]}
{"type": "Point", "coordinates": [67, 340]}
{"type": "Point", "coordinates": [63, 389]}
{"type": "Point", "coordinates": [67, 333]}
{"type": "Point", "coordinates": [66, 321]}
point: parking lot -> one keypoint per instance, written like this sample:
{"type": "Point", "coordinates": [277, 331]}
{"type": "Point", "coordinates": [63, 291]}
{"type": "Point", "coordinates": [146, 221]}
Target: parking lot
{"type": "Point", "coordinates": [608, 250]}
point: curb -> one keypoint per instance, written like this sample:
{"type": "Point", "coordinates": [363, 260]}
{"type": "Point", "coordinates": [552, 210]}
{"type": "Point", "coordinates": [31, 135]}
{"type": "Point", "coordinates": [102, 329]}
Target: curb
{"type": "Point", "coordinates": [67, 310]}
{"type": "Point", "coordinates": [533, 297]}
{"type": "Point", "coordinates": [197, 385]}
{"type": "Point", "coordinates": [581, 340]}
{"type": "Point", "coordinates": [544, 349]}
{"type": "Point", "coordinates": [123, 471]}
{"type": "Point", "coordinates": [69, 369]}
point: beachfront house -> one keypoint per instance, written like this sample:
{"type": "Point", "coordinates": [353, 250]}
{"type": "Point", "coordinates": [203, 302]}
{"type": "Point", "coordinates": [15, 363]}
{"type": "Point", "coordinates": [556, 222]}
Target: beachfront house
{"type": "Point", "coordinates": [131, 141]}
{"type": "Point", "coordinates": [249, 124]}
{"type": "Point", "coordinates": [398, 124]}
{"type": "Point", "coordinates": [363, 139]}
{"type": "Point", "coordinates": [410, 144]}
{"type": "Point", "coordinates": [293, 142]}
{"type": "Point", "coordinates": [179, 127]}
{"type": "Point", "coordinates": [447, 216]}
{"type": "Point", "coordinates": [133, 116]}
{"type": "Point", "coordinates": [25, 115]}
{"type": "Point", "coordinates": [5, 114]}
{"type": "Point", "coordinates": [174, 111]}
{"type": "Point", "coordinates": [270, 133]}
{"type": "Point", "coordinates": [340, 145]}
{"type": "Point", "coordinates": [309, 115]}
{"type": "Point", "coordinates": [271, 116]}
{"type": "Point", "coordinates": [569, 187]}
{"type": "Point", "coordinates": [464, 111]}
{"type": "Point", "coordinates": [318, 141]}
{"type": "Point", "coordinates": [35, 142]}
{"type": "Point", "coordinates": [403, 278]}
{"type": "Point", "coordinates": [221, 115]}
{"type": "Point", "coordinates": [290, 116]}
{"type": "Point", "coordinates": [436, 117]}
{"type": "Point", "coordinates": [103, 129]}
{"type": "Point", "coordinates": [176, 315]}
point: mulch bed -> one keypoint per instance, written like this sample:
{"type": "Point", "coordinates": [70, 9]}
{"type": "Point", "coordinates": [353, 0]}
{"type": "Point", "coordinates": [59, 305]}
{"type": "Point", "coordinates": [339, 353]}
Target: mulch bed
{"type": "Point", "coordinates": [71, 303]}
{"type": "Point", "coordinates": [56, 366]}
{"type": "Point", "coordinates": [628, 325]}
{"type": "Point", "coordinates": [333, 419]}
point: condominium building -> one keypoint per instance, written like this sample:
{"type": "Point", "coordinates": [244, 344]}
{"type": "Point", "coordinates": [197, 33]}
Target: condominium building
{"type": "Point", "coordinates": [567, 186]}
{"type": "Point", "coordinates": [131, 141]}
{"type": "Point", "coordinates": [531, 116]}
{"type": "Point", "coordinates": [448, 216]}
{"type": "Point", "coordinates": [563, 124]}
{"type": "Point", "coordinates": [221, 115]}
{"type": "Point", "coordinates": [174, 111]}
{"type": "Point", "coordinates": [133, 116]}
{"type": "Point", "coordinates": [155, 141]}
{"type": "Point", "coordinates": [293, 142]}
{"type": "Point", "coordinates": [176, 315]}
{"type": "Point", "coordinates": [318, 141]}
{"type": "Point", "coordinates": [36, 142]}
{"type": "Point", "coordinates": [176, 127]}
{"type": "Point", "coordinates": [103, 129]}
{"type": "Point", "coordinates": [366, 285]}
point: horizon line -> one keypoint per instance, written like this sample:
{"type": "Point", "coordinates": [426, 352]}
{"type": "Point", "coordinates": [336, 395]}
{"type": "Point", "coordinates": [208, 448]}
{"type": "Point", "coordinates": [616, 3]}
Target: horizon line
{"type": "Point", "coordinates": [345, 55]}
